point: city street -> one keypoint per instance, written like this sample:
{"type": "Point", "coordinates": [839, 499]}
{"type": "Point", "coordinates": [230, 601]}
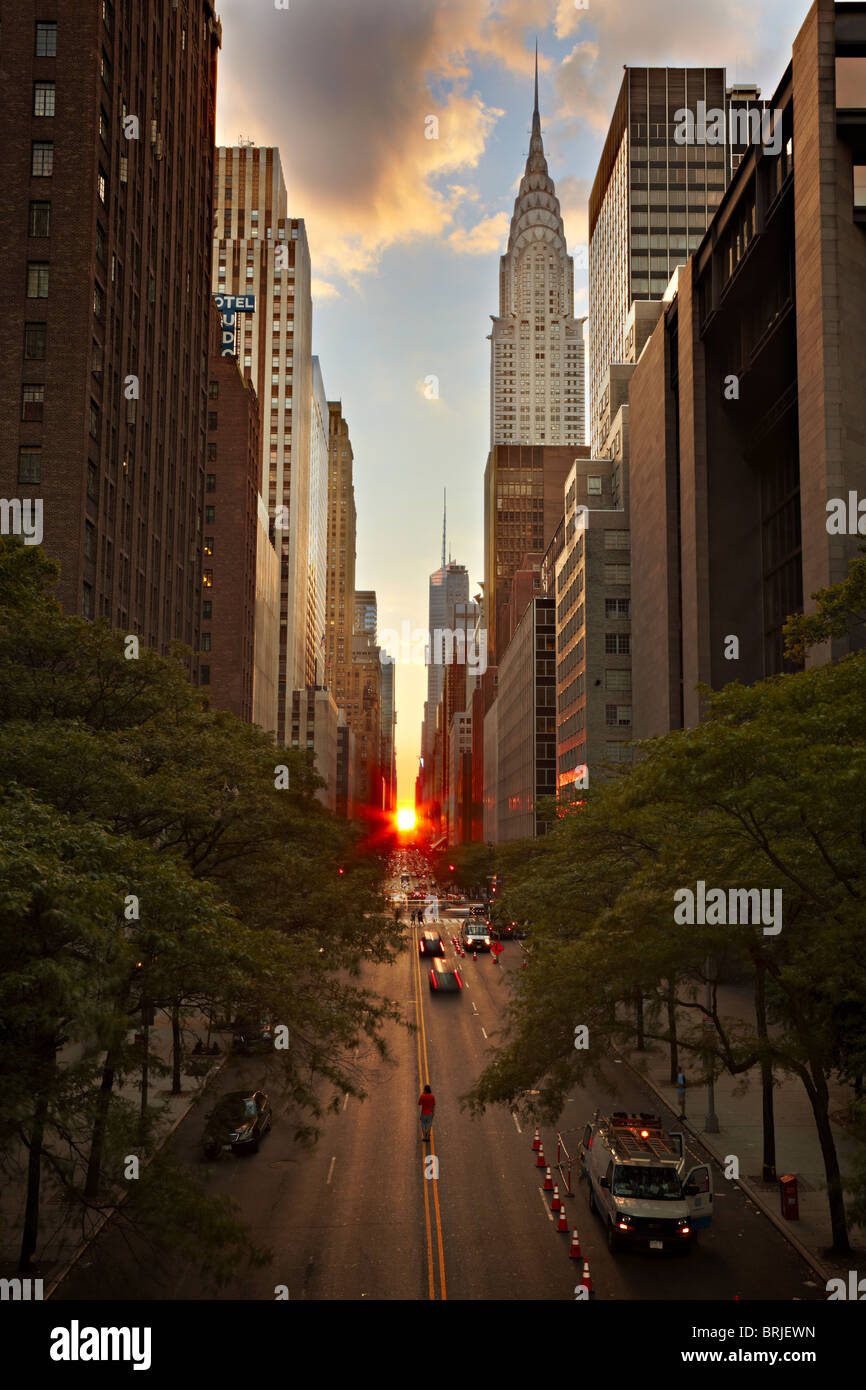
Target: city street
{"type": "Point", "coordinates": [356, 1218]}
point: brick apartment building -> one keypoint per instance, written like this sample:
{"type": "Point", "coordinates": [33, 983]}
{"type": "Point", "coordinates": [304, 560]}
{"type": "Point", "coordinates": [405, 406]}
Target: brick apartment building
{"type": "Point", "coordinates": [106, 174]}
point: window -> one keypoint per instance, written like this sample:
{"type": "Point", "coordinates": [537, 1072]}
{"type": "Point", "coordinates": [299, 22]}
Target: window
{"type": "Point", "coordinates": [617, 680]}
{"type": "Point", "coordinates": [617, 608]}
{"type": "Point", "coordinates": [213, 390]}
{"type": "Point", "coordinates": [208, 545]}
{"type": "Point", "coordinates": [29, 464]}
{"type": "Point", "coordinates": [617, 644]}
{"type": "Point", "coordinates": [96, 356]}
{"type": "Point", "coordinates": [211, 453]}
{"type": "Point", "coordinates": [37, 279]}
{"type": "Point", "coordinates": [860, 186]}
{"type": "Point", "coordinates": [205, 642]}
{"type": "Point", "coordinates": [204, 675]}
{"type": "Point", "coordinates": [34, 341]}
{"type": "Point", "coordinates": [103, 128]}
{"type": "Point", "coordinates": [101, 184]}
{"type": "Point", "coordinates": [617, 574]}
{"type": "Point", "coordinates": [89, 540]}
{"type": "Point", "coordinates": [87, 600]}
{"type": "Point", "coordinates": [32, 400]}
{"type": "Point", "coordinates": [43, 98]}
{"type": "Point", "coordinates": [46, 40]}
{"type": "Point", "coordinates": [209, 516]}
{"type": "Point", "coordinates": [210, 482]}
{"type": "Point", "coordinates": [98, 301]}
{"type": "Point", "coordinates": [593, 486]}
{"type": "Point", "coordinates": [211, 419]}
{"type": "Point", "coordinates": [616, 540]}
{"type": "Point", "coordinates": [207, 579]}
{"type": "Point", "coordinates": [105, 69]}
{"type": "Point", "coordinates": [42, 158]}
{"type": "Point", "coordinates": [40, 219]}
{"type": "Point", "coordinates": [618, 715]}
{"type": "Point", "coordinates": [207, 609]}
{"type": "Point", "coordinates": [94, 420]}
{"type": "Point", "coordinates": [100, 243]}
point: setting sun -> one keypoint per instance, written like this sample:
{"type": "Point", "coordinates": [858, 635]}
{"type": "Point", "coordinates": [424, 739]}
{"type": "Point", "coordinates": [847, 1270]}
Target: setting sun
{"type": "Point", "coordinates": [406, 818]}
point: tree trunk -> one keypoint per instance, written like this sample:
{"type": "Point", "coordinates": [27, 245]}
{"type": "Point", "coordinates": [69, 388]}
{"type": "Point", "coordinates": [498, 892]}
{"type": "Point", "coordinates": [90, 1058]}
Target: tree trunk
{"type": "Point", "coordinates": [97, 1140]}
{"type": "Point", "coordinates": [639, 1024]}
{"type": "Point", "coordinates": [768, 1166]}
{"type": "Point", "coordinates": [672, 1030]}
{"type": "Point", "coordinates": [819, 1097]}
{"type": "Point", "coordinates": [30, 1233]}
{"type": "Point", "coordinates": [176, 1052]}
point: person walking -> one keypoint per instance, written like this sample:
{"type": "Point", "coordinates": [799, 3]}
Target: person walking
{"type": "Point", "coordinates": [427, 1102]}
{"type": "Point", "coordinates": [681, 1093]}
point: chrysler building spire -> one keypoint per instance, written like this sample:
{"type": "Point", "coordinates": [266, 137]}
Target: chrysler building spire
{"type": "Point", "coordinates": [537, 390]}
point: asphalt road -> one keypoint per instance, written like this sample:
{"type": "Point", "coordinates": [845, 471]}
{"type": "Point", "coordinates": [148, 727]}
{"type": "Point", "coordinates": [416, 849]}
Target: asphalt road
{"type": "Point", "coordinates": [358, 1219]}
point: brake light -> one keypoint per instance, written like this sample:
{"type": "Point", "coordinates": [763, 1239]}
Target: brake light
{"type": "Point", "coordinates": [644, 1134]}
{"type": "Point", "coordinates": [433, 978]}
{"type": "Point", "coordinates": [623, 1225]}
{"type": "Point", "coordinates": [459, 981]}
{"type": "Point", "coordinates": [685, 1230]}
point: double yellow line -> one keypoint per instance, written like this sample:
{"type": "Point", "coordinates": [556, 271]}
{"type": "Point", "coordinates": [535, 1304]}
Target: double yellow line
{"type": "Point", "coordinates": [424, 1075]}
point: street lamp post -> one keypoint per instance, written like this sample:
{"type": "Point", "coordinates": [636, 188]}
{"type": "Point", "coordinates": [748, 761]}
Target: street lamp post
{"type": "Point", "coordinates": [711, 1124]}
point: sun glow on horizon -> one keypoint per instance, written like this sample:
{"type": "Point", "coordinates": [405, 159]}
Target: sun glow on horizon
{"type": "Point", "coordinates": [406, 818]}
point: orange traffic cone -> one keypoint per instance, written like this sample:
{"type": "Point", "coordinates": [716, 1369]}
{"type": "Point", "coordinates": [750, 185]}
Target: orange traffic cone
{"type": "Point", "coordinates": [524, 965]}
{"type": "Point", "coordinates": [539, 1162]}
{"type": "Point", "coordinates": [536, 1143]}
{"type": "Point", "coordinates": [574, 1252]}
{"type": "Point", "coordinates": [555, 1202]}
{"type": "Point", "coordinates": [586, 1277]}
{"type": "Point", "coordinates": [474, 955]}
{"type": "Point", "coordinates": [548, 1182]}
{"type": "Point", "coordinates": [562, 1223]}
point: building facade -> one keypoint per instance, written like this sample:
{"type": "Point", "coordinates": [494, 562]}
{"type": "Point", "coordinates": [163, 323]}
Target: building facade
{"type": "Point", "coordinates": [259, 251]}
{"type": "Point", "coordinates": [314, 726]}
{"type": "Point", "coordinates": [342, 525]}
{"type": "Point", "coordinates": [107, 213]}
{"type": "Point", "coordinates": [526, 725]}
{"type": "Point", "coordinates": [747, 409]}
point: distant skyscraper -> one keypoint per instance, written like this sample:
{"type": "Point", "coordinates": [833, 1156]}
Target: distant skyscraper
{"type": "Point", "coordinates": [317, 550]}
{"type": "Point", "coordinates": [342, 523]}
{"type": "Point", "coordinates": [449, 585]}
{"type": "Point", "coordinates": [258, 250]}
{"type": "Point", "coordinates": [651, 202]}
{"type": "Point", "coordinates": [537, 353]}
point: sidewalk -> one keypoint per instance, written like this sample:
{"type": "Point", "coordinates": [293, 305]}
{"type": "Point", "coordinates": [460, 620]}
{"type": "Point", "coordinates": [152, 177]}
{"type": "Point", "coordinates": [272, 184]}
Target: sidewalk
{"type": "Point", "coordinates": [64, 1234]}
{"type": "Point", "coordinates": [739, 1112]}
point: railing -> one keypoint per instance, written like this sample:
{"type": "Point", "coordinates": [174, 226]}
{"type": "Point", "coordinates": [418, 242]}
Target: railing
{"type": "Point", "coordinates": [566, 1162]}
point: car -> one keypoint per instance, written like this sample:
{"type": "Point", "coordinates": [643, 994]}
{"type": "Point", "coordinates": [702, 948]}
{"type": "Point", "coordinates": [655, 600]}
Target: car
{"type": "Point", "coordinates": [237, 1122]}
{"type": "Point", "coordinates": [475, 936]}
{"type": "Point", "coordinates": [445, 978]}
{"type": "Point", "coordinates": [430, 944]}
{"type": "Point", "coordinates": [251, 1034]}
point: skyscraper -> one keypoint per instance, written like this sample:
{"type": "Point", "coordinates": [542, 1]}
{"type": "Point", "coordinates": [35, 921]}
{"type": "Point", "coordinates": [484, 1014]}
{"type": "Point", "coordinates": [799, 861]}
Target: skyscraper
{"type": "Point", "coordinates": [651, 203]}
{"type": "Point", "coordinates": [537, 352]}
{"type": "Point", "coordinates": [317, 540]}
{"type": "Point", "coordinates": [342, 522]}
{"type": "Point", "coordinates": [106, 204]}
{"type": "Point", "coordinates": [258, 250]}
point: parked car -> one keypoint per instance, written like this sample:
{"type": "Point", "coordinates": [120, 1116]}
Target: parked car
{"type": "Point", "coordinates": [237, 1122]}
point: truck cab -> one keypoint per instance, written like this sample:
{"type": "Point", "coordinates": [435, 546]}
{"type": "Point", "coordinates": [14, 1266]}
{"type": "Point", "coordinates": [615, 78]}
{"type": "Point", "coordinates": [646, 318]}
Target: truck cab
{"type": "Point", "coordinates": [649, 1190]}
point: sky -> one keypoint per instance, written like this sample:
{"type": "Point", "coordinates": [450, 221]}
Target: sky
{"type": "Point", "coordinates": [406, 231]}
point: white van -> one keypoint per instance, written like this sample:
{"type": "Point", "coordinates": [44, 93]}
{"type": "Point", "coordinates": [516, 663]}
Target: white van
{"type": "Point", "coordinates": [649, 1190]}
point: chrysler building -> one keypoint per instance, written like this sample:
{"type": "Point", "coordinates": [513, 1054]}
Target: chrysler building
{"type": "Point", "coordinates": [537, 390]}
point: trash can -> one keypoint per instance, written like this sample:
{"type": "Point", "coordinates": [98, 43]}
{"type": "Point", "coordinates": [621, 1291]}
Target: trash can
{"type": "Point", "coordinates": [790, 1199]}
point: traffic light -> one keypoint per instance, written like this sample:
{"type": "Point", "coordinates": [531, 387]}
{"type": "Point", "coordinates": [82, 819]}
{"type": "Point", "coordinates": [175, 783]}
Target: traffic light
{"type": "Point", "coordinates": [340, 871]}
{"type": "Point", "coordinates": [451, 867]}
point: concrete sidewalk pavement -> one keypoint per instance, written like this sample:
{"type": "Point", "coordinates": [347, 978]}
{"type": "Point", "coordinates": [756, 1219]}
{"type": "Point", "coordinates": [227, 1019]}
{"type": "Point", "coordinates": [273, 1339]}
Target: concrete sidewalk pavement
{"type": "Point", "coordinates": [738, 1107]}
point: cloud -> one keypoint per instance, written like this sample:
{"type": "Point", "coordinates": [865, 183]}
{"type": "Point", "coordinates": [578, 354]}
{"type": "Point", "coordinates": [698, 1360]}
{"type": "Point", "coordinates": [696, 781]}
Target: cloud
{"type": "Point", "coordinates": [486, 238]}
{"type": "Point", "coordinates": [573, 194]}
{"type": "Point", "coordinates": [323, 289]}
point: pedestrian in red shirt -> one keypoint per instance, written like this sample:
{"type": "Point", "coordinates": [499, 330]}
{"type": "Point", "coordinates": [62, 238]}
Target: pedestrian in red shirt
{"type": "Point", "coordinates": [427, 1102]}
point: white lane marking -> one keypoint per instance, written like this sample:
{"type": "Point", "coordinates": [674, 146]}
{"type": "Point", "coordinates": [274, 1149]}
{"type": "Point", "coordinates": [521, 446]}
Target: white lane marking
{"type": "Point", "coordinates": [345, 1100]}
{"type": "Point", "coordinates": [484, 1030]}
{"type": "Point", "coordinates": [514, 1118]}
{"type": "Point", "coordinates": [331, 1169]}
{"type": "Point", "coordinates": [548, 1214]}
{"type": "Point", "coordinates": [474, 1010]}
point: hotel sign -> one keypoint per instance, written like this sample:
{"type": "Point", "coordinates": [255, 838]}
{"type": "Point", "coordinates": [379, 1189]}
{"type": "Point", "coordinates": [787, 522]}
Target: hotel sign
{"type": "Point", "coordinates": [230, 305]}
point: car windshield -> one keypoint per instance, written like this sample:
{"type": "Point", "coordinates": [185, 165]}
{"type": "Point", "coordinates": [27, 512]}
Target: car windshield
{"type": "Point", "coordinates": [631, 1180]}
